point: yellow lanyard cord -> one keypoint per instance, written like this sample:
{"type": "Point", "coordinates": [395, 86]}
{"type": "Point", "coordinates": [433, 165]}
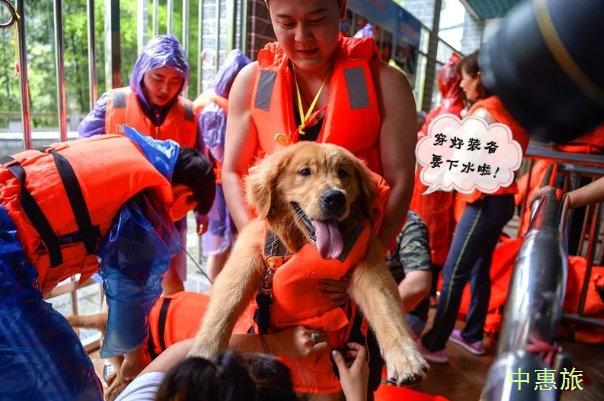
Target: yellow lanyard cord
{"type": "Point", "coordinates": [304, 118]}
{"type": "Point", "coordinates": [16, 42]}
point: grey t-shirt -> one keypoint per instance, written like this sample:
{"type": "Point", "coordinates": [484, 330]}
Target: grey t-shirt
{"type": "Point", "coordinates": [411, 253]}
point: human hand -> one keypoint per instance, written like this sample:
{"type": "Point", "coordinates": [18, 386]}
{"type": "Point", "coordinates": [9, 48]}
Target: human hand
{"type": "Point", "coordinates": [336, 290]}
{"type": "Point", "coordinates": [131, 367]}
{"type": "Point", "coordinates": [115, 386]}
{"type": "Point", "coordinates": [354, 376]}
{"type": "Point", "coordinates": [202, 223]}
{"type": "Point", "coordinates": [296, 342]}
{"type": "Point", "coordinates": [538, 194]}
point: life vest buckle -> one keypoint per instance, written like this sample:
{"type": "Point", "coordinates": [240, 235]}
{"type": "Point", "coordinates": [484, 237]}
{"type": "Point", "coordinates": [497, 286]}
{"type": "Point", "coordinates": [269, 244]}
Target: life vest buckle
{"type": "Point", "coordinates": [267, 286]}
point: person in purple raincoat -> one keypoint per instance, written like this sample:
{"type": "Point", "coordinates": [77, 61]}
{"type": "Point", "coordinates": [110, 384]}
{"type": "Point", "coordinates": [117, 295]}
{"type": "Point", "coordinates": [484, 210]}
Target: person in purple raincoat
{"type": "Point", "coordinates": [153, 106]}
{"type": "Point", "coordinates": [212, 108]}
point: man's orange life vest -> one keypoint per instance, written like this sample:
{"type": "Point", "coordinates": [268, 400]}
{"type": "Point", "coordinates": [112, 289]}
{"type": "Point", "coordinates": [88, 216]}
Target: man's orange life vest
{"type": "Point", "coordinates": [352, 118]}
{"type": "Point", "coordinates": [62, 199]}
{"type": "Point", "coordinates": [296, 301]}
{"type": "Point", "coordinates": [174, 318]}
{"type": "Point", "coordinates": [123, 107]}
{"type": "Point", "coordinates": [198, 105]}
{"type": "Point", "coordinates": [495, 108]}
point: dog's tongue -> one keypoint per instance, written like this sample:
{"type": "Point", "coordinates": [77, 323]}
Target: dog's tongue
{"type": "Point", "coordinates": [329, 238]}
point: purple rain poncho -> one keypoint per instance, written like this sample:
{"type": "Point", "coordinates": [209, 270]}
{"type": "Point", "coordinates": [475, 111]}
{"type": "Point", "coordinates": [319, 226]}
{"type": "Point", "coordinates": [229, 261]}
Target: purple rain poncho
{"type": "Point", "coordinates": [212, 123]}
{"type": "Point", "coordinates": [160, 51]}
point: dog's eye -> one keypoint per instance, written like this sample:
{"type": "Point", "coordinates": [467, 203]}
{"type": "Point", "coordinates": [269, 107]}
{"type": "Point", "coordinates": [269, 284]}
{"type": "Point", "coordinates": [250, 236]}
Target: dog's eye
{"type": "Point", "coordinates": [305, 172]}
{"type": "Point", "coordinates": [342, 173]}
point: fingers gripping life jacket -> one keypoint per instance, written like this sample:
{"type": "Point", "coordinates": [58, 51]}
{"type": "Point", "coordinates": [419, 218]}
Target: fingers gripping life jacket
{"type": "Point", "coordinates": [352, 118]}
{"type": "Point", "coordinates": [63, 197]}
{"type": "Point", "coordinates": [202, 101]}
{"type": "Point", "coordinates": [123, 108]}
{"type": "Point", "coordinates": [288, 297]}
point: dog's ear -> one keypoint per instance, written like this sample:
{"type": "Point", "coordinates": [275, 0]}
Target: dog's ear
{"type": "Point", "coordinates": [260, 185]}
{"type": "Point", "coordinates": [367, 189]}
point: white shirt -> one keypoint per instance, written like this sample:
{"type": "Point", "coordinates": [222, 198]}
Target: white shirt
{"type": "Point", "coordinates": [143, 388]}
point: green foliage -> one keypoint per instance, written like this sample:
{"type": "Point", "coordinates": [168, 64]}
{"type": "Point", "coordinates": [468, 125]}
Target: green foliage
{"type": "Point", "coordinates": [41, 70]}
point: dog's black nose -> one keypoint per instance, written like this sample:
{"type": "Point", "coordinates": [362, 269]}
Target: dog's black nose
{"type": "Point", "coordinates": [333, 203]}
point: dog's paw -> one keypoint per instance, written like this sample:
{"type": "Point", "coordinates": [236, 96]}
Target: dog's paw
{"type": "Point", "coordinates": [405, 365]}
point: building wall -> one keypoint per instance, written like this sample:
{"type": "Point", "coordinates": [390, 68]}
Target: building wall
{"type": "Point", "coordinates": [423, 10]}
{"type": "Point", "coordinates": [472, 34]}
{"type": "Point", "coordinates": [260, 29]}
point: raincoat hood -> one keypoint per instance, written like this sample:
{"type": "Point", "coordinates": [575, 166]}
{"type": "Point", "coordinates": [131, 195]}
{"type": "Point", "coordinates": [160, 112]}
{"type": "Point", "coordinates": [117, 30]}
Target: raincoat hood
{"type": "Point", "coordinates": [160, 51]}
{"type": "Point", "coordinates": [365, 31]}
{"type": "Point", "coordinates": [448, 79]}
{"type": "Point", "coordinates": [234, 63]}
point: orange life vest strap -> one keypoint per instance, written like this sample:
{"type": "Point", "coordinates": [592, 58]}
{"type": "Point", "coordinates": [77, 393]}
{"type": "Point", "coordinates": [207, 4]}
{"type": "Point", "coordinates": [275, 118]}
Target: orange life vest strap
{"type": "Point", "coordinates": [161, 329]}
{"type": "Point", "coordinates": [274, 256]}
{"type": "Point", "coordinates": [88, 233]}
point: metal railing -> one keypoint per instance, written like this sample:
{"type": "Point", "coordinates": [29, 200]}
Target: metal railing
{"type": "Point", "coordinates": [207, 70]}
{"type": "Point", "coordinates": [572, 168]}
{"type": "Point", "coordinates": [533, 311]}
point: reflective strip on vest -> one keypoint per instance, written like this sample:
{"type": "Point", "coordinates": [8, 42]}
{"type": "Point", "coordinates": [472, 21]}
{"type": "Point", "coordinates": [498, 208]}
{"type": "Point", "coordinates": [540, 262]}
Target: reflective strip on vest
{"type": "Point", "coordinates": [119, 100]}
{"type": "Point", "coordinates": [266, 83]}
{"type": "Point", "coordinates": [358, 94]}
{"type": "Point", "coordinates": [189, 115]}
{"type": "Point", "coordinates": [349, 241]}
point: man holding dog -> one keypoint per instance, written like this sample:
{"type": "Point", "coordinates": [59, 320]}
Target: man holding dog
{"type": "Point", "coordinates": [62, 208]}
{"type": "Point", "coordinates": [316, 85]}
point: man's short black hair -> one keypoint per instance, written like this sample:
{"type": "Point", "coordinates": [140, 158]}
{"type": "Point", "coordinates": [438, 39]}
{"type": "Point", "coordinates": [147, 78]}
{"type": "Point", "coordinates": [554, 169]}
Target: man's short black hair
{"type": "Point", "coordinates": [195, 171]}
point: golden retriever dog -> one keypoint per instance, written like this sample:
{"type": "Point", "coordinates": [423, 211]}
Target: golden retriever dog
{"type": "Point", "coordinates": [311, 192]}
{"type": "Point", "coordinates": [115, 382]}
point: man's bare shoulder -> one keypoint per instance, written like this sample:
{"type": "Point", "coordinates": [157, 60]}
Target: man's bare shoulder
{"type": "Point", "coordinates": [392, 86]}
{"type": "Point", "coordinates": [243, 87]}
{"type": "Point", "coordinates": [388, 78]}
{"type": "Point", "coordinates": [248, 73]}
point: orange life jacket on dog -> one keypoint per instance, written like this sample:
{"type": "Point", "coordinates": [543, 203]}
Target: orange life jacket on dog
{"type": "Point", "coordinates": [352, 118]}
{"type": "Point", "coordinates": [71, 192]}
{"type": "Point", "coordinates": [202, 101]}
{"type": "Point", "coordinates": [174, 318]}
{"type": "Point", "coordinates": [123, 107]}
{"type": "Point", "coordinates": [296, 301]}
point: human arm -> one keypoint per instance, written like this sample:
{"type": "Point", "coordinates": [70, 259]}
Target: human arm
{"type": "Point", "coordinates": [240, 145]}
{"type": "Point", "coordinates": [94, 123]}
{"type": "Point", "coordinates": [397, 141]}
{"type": "Point", "coordinates": [414, 256]}
{"type": "Point", "coordinates": [414, 288]}
{"type": "Point", "coordinates": [587, 195]}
